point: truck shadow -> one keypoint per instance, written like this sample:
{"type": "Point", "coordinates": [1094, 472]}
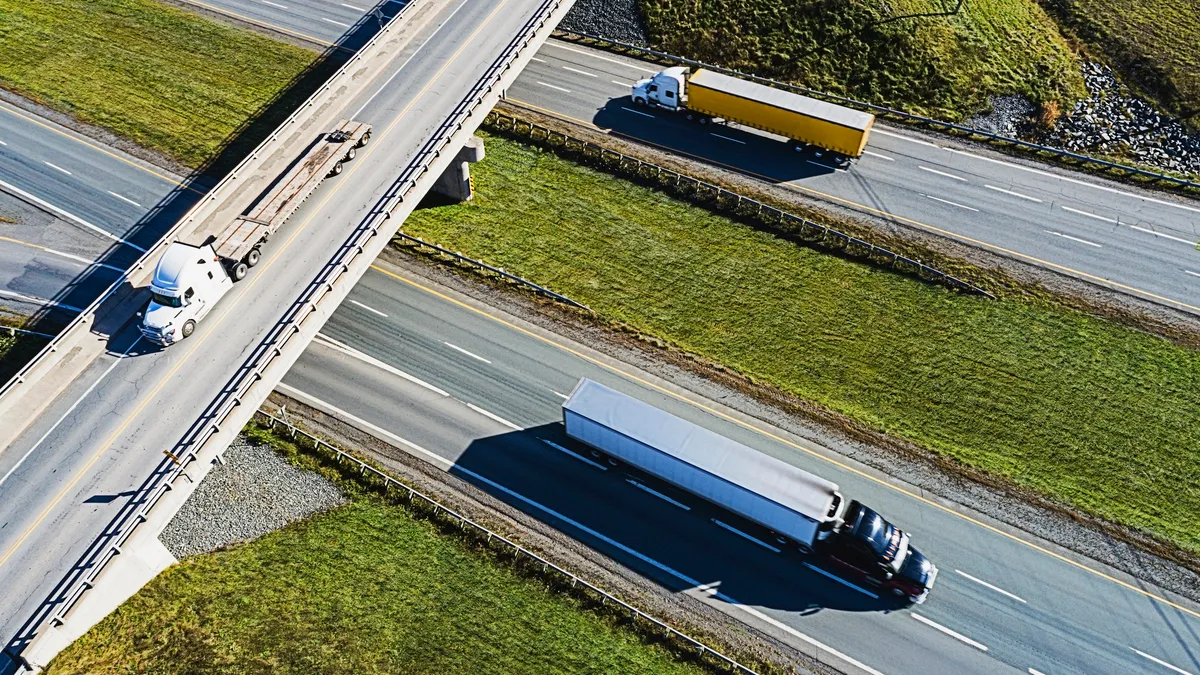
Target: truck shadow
{"type": "Point", "coordinates": [752, 153]}
{"type": "Point", "coordinates": [98, 278]}
{"type": "Point", "coordinates": [670, 536]}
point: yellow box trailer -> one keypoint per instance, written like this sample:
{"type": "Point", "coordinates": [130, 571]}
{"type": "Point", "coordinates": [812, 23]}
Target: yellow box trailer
{"type": "Point", "coordinates": [799, 118]}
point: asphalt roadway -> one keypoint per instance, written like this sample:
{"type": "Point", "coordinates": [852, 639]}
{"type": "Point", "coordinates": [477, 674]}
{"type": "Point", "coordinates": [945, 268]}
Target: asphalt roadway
{"type": "Point", "coordinates": [478, 392]}
{"type": "Point", "coordinates": [78, 470]}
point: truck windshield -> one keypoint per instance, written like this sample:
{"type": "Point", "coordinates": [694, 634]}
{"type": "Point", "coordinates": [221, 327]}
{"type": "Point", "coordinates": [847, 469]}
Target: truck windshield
{"type": "Point", "coordinates": [166, 300]}
{"type": "Point", "coordinates": [879, 534]}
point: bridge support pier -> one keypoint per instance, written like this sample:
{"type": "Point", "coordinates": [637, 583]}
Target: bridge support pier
{"type": "Point", "coordinates": [455, 183]}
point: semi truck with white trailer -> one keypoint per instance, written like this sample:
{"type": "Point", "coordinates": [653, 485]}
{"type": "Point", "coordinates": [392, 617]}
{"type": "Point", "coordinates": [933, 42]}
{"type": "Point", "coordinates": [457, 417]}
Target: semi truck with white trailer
{"type": "Point", "coordinates": [800, 509]}
{"type": "Point", "coordinates": [191, 278]}
{"type": "Point", "coordinates": [707, 96]}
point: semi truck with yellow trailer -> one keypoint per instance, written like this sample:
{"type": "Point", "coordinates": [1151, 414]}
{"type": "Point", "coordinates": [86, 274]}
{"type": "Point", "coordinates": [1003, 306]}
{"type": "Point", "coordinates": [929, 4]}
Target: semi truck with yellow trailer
{"type": "Point", "coordinates": [709, 96]}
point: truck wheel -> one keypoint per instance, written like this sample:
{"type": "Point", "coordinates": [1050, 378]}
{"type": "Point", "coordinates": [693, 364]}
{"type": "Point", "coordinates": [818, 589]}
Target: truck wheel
{"type": "Point", "coordinates": [253, 257]}
{"type": "Point", "coordinates": [337, 168]}
{"type": "Point", "coordinates": [350, 154]}
{"type": "Point", "coordinates": [899, 593]}
{"type": "Point", "coordinates": [239, 271]}
{"type": "Point", "coordinates": [189, 327]}
{"type": "Point", "coordinates": [639, 101]}
{"type": "Point", "coordinates": [364, 139]}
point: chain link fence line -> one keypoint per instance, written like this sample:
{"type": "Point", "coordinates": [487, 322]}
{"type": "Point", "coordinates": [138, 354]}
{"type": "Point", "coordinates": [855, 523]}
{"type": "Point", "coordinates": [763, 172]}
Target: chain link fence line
{"type": "Point", "coordinates": [726, 202]}
{"type": "Point", "coordinates": [1071, 159]}
{"type": "Point", "coordinates": [373, 478]}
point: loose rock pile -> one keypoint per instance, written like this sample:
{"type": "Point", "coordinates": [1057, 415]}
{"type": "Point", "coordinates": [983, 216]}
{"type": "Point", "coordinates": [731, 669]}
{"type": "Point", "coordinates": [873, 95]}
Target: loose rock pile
{"type": "Point", "coordinates": [614, 19]}
{"type": "Point", "coordinates": [254, 492]}
{"type": "Point", "coordinates": [1112, 121]}
{"type": "Point", "coordinates": [1010, 116]}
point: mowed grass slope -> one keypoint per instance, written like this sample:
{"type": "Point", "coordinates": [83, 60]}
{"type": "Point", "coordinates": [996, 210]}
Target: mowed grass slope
{"type": "Point", "coordinates": [941, 66]}
{"type": "Point", "coordinates": [1155, 44]}
{"type": "Point", "coordinates": [16, 351]}
{"type": "Point", "coordinates": [365, 588]}
{"type": "Point", "coordinates": [162, 77]}
{"type": "Point", "coordinates": [1090, 413]}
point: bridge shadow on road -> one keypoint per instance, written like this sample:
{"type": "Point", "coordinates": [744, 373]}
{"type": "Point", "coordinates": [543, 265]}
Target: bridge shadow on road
{"type": "Point", "coordinates": [668, 535]}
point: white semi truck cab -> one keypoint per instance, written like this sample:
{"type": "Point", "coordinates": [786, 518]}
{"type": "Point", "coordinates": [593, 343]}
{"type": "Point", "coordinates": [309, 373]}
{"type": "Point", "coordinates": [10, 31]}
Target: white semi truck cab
{"type": "Point", "coordinates": [666, 89]}
{"type": "Point", "coordinates": [187, 283]}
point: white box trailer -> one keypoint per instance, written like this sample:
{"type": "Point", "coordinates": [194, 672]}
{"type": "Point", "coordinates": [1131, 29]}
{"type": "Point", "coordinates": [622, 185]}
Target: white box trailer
{"type": "Point", "coordinates": [781, 497]}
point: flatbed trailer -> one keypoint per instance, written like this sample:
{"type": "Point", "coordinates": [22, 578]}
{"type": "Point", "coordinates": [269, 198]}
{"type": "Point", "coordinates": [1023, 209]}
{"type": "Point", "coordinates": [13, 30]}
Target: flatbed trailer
{"type": "Point", "coordinates": [238, 245]}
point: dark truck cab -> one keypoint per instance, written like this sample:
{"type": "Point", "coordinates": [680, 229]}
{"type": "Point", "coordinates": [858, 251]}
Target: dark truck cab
{"type": "Point", "coordinates": [877, 553]}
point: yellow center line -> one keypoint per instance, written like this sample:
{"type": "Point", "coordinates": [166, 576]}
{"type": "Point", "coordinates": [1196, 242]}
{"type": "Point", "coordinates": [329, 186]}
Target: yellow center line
{"type": "Point", "coordinates": [775, 437]}
{"type": "Point", "coordinates": [886, 214]}
{"type": "Point", "coordinates": [153, 395]}
{"type": "Point", "coordinates": [98, 148]}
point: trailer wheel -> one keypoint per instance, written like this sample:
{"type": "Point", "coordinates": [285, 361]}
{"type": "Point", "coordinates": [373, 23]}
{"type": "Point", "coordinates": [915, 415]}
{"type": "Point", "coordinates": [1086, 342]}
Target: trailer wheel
{"type": "Point", "coordinates": [364, 139]}
{"type": "Point", "coordinates": [253, 257]}
{"type": "Point", "coordinates": [239, 271]}
{"type": "Point", "coordinates": [350, 154]}
{"type": "Point", "coordinates": [704, 119]}
{"type": "Point", "coordinates": [189, 327]}
{"type": "Point", "coordinates": [804, 549]}
{"type": "Point", "coordinates": [337, 168]}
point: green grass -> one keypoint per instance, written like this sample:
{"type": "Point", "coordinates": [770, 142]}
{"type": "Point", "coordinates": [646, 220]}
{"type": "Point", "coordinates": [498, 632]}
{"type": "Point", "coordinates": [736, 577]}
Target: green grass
{"type": "Point", "coordinates": [1155, 44]}
{"type": "Point", "coordinates": [1090, 413]}
{"type": "Point", "coordinates": [944, 66]}
{"type": "Point", "coordinates": [366, 588]}
{"type": "Point", "coordinates": [16, 350]}
{"type": "Point", "coordinates": [162, 77]}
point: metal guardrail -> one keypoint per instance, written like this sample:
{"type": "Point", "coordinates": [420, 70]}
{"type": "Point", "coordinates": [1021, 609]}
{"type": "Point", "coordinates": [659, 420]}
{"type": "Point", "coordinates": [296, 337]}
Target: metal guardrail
{"type": "Point", "coordinates": [1065, 156]}
{"type": "Point", "coordinates": [731, 202]}
{"type": "Point", "coordinates": [270, 348]}
{"type": "Point", "coordinates": [390, 484]}
{"type": "Point", "coordinates": [187, 219]}
{"type": "Point", "coordinates": [419, 242]}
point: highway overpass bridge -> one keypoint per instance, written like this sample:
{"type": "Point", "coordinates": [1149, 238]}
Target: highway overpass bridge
{"type": "Point", "coordinates": [82, 425]}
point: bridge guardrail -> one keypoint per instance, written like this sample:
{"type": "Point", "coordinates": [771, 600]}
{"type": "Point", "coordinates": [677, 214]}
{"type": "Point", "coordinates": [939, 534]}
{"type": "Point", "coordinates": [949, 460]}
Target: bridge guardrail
{"type": "Point", "coordinates": [270, 349]}
{"type": "Point", "coordinates": [550, 569]}
{"type": "Point", "coordinates": [1067, 157]}
{"type": "Point", "coordinates": [717, 198]}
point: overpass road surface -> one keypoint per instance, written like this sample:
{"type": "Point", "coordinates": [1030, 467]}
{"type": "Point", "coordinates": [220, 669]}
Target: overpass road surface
{"type": "Point", "coordinates": [75, 469]}
{"type": "Point", "coordinates": [1138, 241]}
{"type": "Point", "coordinates": [478, 393]}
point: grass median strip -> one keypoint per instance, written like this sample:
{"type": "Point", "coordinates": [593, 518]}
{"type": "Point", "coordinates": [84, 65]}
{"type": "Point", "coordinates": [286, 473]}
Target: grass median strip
{"type": "Point", "coordinates": [368, 587]}
{"type": "Point", "coordinates": [162, 77]}
{"type": "Point", "coordinates": [1087, 412]}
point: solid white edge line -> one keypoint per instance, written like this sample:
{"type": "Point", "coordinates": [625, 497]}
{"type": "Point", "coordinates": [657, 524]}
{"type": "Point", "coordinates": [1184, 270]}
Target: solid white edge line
{"type": "Point", "coordinates": [1091, 215]}
{"type": "Point", "coordinates": [1164, 236]}
{"type": "Point", "coordinates": [1069, 180]}
{"type": "Point", "coordinates": [727, 138]}
{"type": "Point", "coordinates": [743, 535]}
{"type": "Point", "coordinates": [57, 168]}
{"type": "Point", "coordinates": [1015, 194]}
{"type": "Point", "coordinates": [554, 86]}
{"type": "Point", "coordinates": [365, 425]}
{"type": "Point", "coordinates": [463, 351]}
{"type": "Point", "coordinates": [942, 173]}
{"type": "Point", "coordinates": [65, 214]}
{"type": "Point", "coordinates": [581, 72]}
{"type": "Point", "coordinates": [957, 636]}
{"type": "Point", "coordinates": [70, 410]}
{"type": "Point", "coordinates": [658, 494]}
{"type": "Point", "coordinates": [550, 43]}
{"type": "Point", "coordinates": [1160, 662]}
{"type": "Point", "coordinates": [947, 201]}
{"type": "Point", "coordinates": [840, 580]}
{"type": "Point", "coordinates": [346, 349]}
{"type": "Point", "coordinates": [494, 416]}
{"type": "Point", "coordinates": [876, 154]}
{"type": "Point", "coordinates": [637, 112]}
{"type": "Point", "coordinates": [985, 584]}
{"type": "Point", "coordinates": [574, 455]}
{"type": "Point", "coordinates": [124, 198]}
{"type": "Point", "coordinates": [37, 301]}
{"type": "Point", "coordinates": [369, 309]}
{"type": "Point", "coordinates": [590, 532]}
{"type": "Point", "coordinates": [336, 23]}
{"type": "Point", "coordinates": [1067, 236]}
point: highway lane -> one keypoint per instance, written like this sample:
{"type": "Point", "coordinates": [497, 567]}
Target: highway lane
{"type": "Point", "coordinates": [440, 372]}
{"type": "Point", "coordinates": [77, 467]}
